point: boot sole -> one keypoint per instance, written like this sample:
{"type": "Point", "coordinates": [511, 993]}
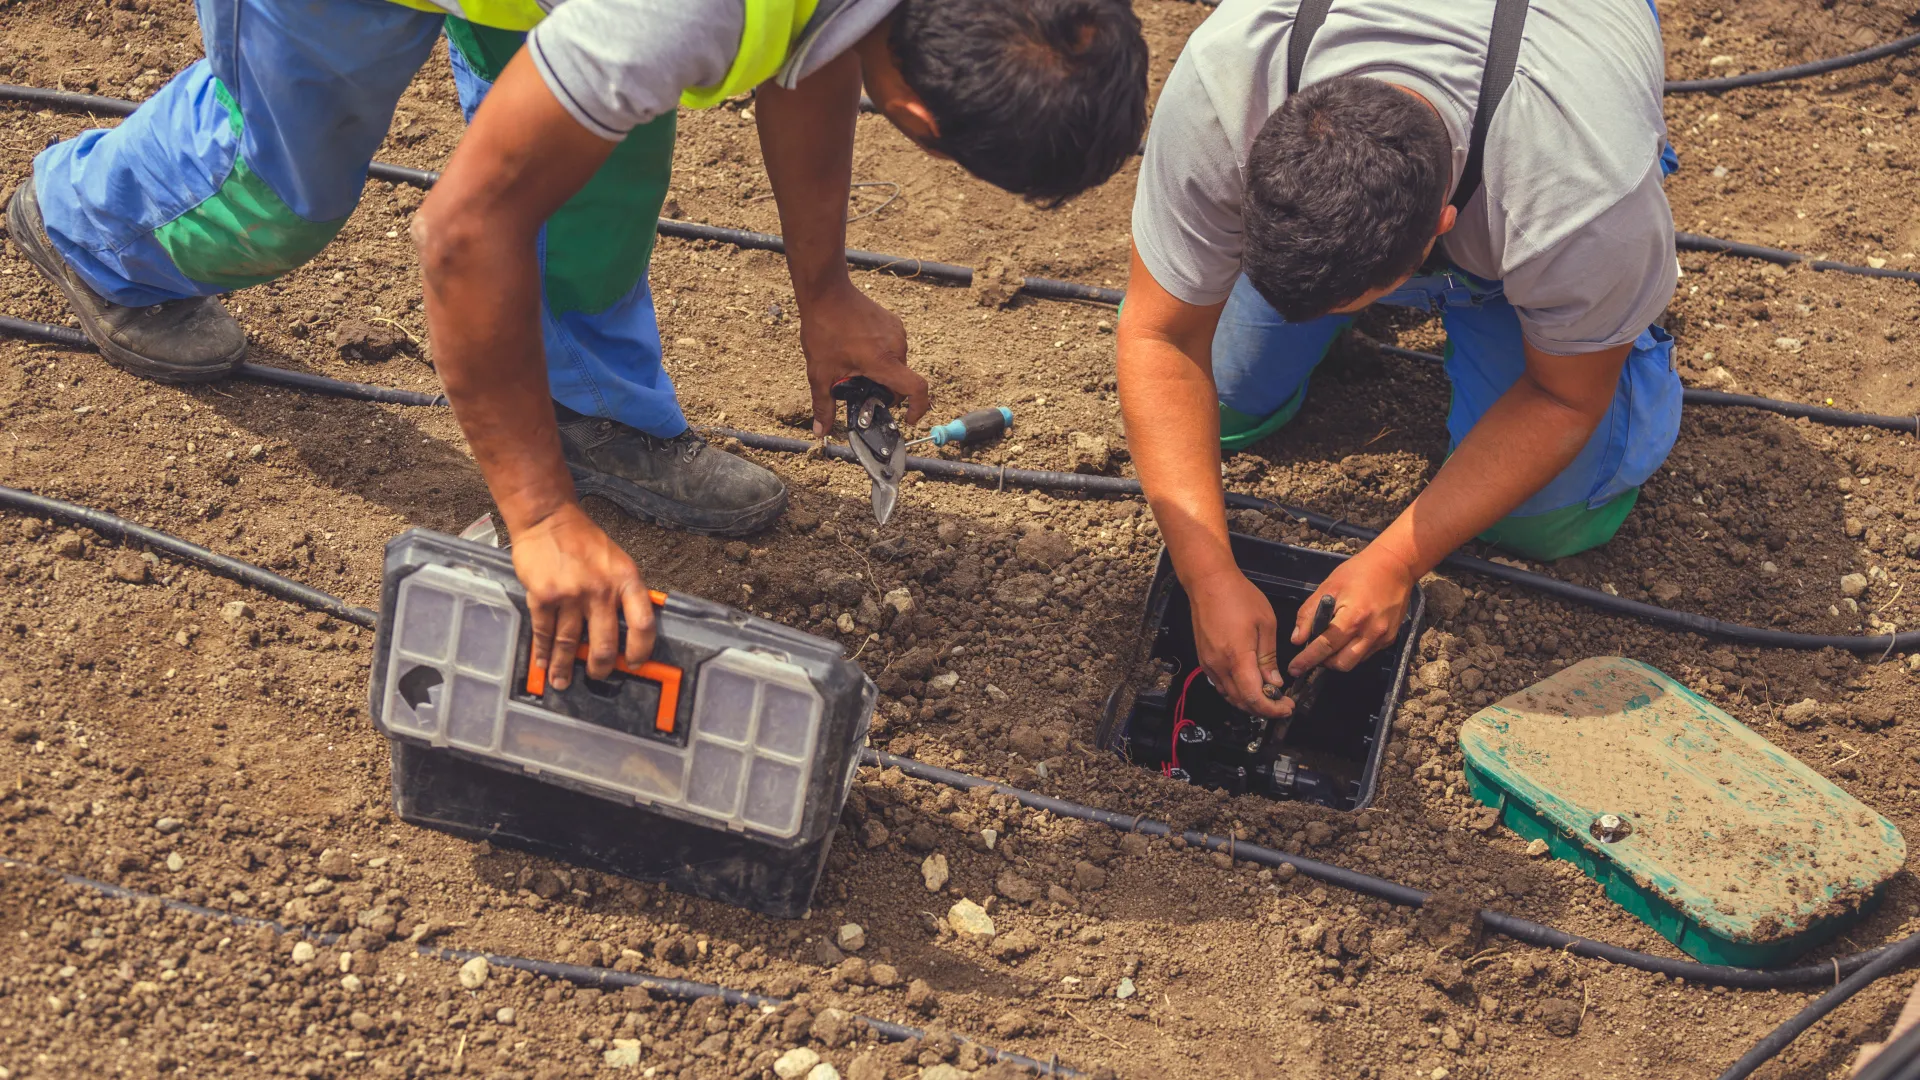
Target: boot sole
{"type": "Point", "coordinates": [643, 505]}
{"type": "Point", "coordinates": [29, 241]}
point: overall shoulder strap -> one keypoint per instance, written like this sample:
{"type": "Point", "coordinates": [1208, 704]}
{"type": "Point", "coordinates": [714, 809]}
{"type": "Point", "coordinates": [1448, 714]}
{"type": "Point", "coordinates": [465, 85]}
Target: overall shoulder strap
{"type": "Point", "coordinates": [1503, 54]}
{"type": "Point", "coordinates": [1306, 23]}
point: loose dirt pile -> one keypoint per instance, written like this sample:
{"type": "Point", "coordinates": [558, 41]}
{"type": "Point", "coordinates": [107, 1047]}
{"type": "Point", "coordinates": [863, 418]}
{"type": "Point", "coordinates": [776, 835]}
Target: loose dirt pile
{"type": "Point", "coordinates": [171, 732]}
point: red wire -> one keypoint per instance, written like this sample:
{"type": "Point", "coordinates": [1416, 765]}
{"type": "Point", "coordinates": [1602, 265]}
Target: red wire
{"type": "Point", "coordinates": [1180, 721]}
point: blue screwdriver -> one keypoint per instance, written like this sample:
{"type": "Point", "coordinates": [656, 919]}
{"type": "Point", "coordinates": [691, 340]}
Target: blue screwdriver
{"type": "Point", "coordinates": [975, 427]}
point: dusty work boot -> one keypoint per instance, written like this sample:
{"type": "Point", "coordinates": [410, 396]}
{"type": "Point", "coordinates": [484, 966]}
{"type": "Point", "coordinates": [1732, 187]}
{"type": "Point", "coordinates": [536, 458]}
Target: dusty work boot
{"type": "Point", "coordinates": [181, 341]}
{"type": "Point", "coordinates": [680, 482]}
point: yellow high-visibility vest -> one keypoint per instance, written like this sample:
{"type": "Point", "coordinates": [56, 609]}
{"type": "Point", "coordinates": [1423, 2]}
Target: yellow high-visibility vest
{"type": "Point", "coordinates": [771, 28]}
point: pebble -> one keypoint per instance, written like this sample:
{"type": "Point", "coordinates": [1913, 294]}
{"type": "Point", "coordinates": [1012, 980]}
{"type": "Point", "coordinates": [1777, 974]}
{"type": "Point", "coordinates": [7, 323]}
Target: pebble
{"type": "Point", "coordinates": [505, 1016]}
{"type": "Point", "coordinates": [1444, 599]}
{"type": "Point", "coordinates": [852, 937]}
{"type": "Point", "coordinates": [942, 1071]}
{"type": "Point", "coordinates": [1125, 989]}
{"type": "Point", "coordinates": [971, 922]}
{"type": "Point", "coordinates": [795, 1063]}
{"type": "Point", "coordinates": [995, 694]}
{"type": "Point", "coordinates": [946, 680]}
{"type": "Point", "coordinates": [168, 825]}
{"type": "Point", "coordinates": [823, 1071]}
{"type": "Point", "coordinates": [235, 610]}
{"type": "Point", "coordinates": [934, 872]}
{"type": "Point", "coordinates": [1853, 585]}
{"type": "Point", "coordinates": [624, 1055]}
{"type": "Point", "coordinates": [175, 863]}
{"type": "Point", "coordinates": [129, 567]}
{"type": "Point", "coordinates": [304, 952]}
{"type": "Point", "coordinates": [473, 973]}
{"type": "Point", "coordinates": [883, 975]}
{"type": "Point", "coordinates": [900, 600]}
{"type": "Point", "coordinates": [335, 864]}
{"type": "Point", "coordinates": [350, 983]}
{"type": "Point", "coordinates": [1536, 848]}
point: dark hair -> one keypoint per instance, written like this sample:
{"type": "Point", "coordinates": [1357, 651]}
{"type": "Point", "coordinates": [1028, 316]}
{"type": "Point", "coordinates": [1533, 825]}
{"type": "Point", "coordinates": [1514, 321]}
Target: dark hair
{"type": "Point", "coordinates": [1346, 183]}
{"type": "Point", "coordinates": [1044, 98]}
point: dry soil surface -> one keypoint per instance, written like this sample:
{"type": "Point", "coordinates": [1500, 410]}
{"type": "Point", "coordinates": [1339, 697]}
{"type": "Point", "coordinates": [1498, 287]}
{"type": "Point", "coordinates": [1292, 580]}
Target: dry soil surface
{"type": "Point", "coordinates": [162, 738]}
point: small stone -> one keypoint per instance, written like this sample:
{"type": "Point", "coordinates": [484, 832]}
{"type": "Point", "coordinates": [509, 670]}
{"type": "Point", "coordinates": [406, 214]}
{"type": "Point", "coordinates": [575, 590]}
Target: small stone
{"type": "Point", "coordinates": [1012, 1023]}
{"type": "Point", "coordinates": [796, 1063]}
{"type": "Point", "coordinates": [368, 344]}
{"type": "Point", "coordinates": [852, 937]}
{"type": "Point", "coordinates": [1444, 599]}
{"type": "Point", "coordinates": [235, 610]}
{"type": "Point", "coordinates": [1125, 990]}
{"type": "Point", "coordinates": [920, 997]}
{"type": "Point", "coordinates": [854, 971]}
{"type": "Point", "coordinates": [1089, 453]}
{"type": "Point", "coordinates": [70, 545]}
{"type": "Point", "coordinates": [845, 623]}
{"type": "Point", "coordinates": [335, 864]}
{"type": "Point", "coordinates": [1016, 888]}
{"type": "Point", "coordinates": [946, 680]}
{"type": "Point", "coordinates": [934, 872]}
{"type": "Point", "coordinates": [505, 1016]}
{"type": "Point", "coordinates": [473, 973]}
{"type": "Point", "coordinates": [1014, 944]}
{"type": "Point", "coordinates": [971, 922]}
{"type": "Point", "coordinates": [350, 983]}
{"type": "Point", "coordinates": [872, 833]}
{"type": "Point", "coordinates": [1910, 543]}
{"type": "Point", "coordinates": [129, 567]}
{"type": "Point", "coordinates": [1665, 593]}
{"type": "Point", "coordinates": [991, 837]}
{"type": "Point", "coordinates": [304, 952]}
{"type": "Point", "coordinates": [1536, 848]}
{"type": "Point", "coordinates": [823, 1071]}
{"type": "Point", "coordinates": [1804, 713]}
{"type": "Point", "coordinates": [883, 975]}
{"type": "Point", "coordinates": [840, 587]}
{"type": "Point", "coordinates": [175, 862]}
{"type": "Point", "coordinates": [995, 694]}
{"type": "Point", "coordinates": [1058, 895]}
{"type": "Point", "coordinates": [942, 1071]}
{"type": "Point", "coordinates": [900, 600]}
{"type": "Point", "coordinates": [1088, 877]}
{"type": "Point", "coordinates": [915, 663]}
{"type": "Point", "coordinates": [168, 825]}
{"type": "Point", "coordinates": [625, 1054]}
{"type": "Point", "coordinates": [1852, 586]}
{"type": "Point", "coordinates": [1436, 674]}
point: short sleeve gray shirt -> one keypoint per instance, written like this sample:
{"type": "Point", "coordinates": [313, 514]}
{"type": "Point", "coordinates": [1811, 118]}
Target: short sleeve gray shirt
{"type": "Point", "coordinates": [1570, 215]}
{"type": "Point", "coordinates": [616, 64]}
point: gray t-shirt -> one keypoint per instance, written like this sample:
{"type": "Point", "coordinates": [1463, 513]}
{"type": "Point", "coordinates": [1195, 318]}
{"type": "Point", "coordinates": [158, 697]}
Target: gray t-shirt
{"type": "Point", "coordinates": [616, 64]}
{"type": "Point", "coordinates": [1570, 214]}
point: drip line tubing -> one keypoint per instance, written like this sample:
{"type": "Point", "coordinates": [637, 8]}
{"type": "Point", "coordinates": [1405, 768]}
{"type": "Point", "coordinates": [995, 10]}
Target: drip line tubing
{"type": "Point", "coordinates": [1512, 575]}
{"type": "Point", "coordinates": [597, 978]}
{"type": "Point", "coordinates": [1796, 71]}
{"type": "Point", "coordinates": [906, 265]}
{"type": "Point", "coordinates": [1693, 395]}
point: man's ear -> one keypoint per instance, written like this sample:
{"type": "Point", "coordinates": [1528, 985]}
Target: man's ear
{"type": "Point", "coordinates": [1448, 215]}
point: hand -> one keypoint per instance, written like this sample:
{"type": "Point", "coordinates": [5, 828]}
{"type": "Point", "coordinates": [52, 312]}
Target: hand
{"type": "Point", "coordinates": [1234, 630]}
{"type": "Point", "coordinates": [843, 333]}
{"type": "Point", "coordinates": [1372, 590]}
{"type": "Point", "coordinates": [575, 576]}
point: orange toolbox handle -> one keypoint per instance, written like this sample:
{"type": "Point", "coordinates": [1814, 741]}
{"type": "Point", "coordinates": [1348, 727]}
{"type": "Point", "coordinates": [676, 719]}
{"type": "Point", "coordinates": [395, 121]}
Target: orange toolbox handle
{"type": "Point", "coordinates": [666, 675]}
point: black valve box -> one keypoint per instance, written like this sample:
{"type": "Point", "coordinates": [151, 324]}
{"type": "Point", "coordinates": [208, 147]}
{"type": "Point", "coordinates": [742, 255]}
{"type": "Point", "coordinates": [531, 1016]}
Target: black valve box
{"type": "Point", "coordinates": [1331, 751]}
{"type": "Point", "coordinates": [718, 768]}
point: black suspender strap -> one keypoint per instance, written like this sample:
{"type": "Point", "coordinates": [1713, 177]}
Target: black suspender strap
{"type": "Point", "coordinates": [1306, 23]}
{"type": "Point", "coordinates": [1503, 54]}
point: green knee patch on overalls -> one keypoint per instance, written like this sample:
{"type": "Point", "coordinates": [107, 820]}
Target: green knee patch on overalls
{"type": "Point", "coordinates": [600, 241]}
{"type": "Point", "coordinates": [1566, 531]}
{"type": "Point", "coordinates": [244, 233]}
{"type": "Point", "coordinates": [1240, 430]}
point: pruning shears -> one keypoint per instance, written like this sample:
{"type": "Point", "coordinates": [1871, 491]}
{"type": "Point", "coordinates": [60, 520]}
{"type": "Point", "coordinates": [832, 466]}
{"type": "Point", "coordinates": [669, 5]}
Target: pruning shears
{"type": "Point", "coordinates": [875, 438]}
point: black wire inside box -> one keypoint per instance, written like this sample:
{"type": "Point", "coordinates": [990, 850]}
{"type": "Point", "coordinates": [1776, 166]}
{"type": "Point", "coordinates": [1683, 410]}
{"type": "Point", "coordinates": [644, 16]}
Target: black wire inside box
{"type": "Point", "coordinates": [1180, 726]}
{"type": "Point", "coordinates": [718, 768]}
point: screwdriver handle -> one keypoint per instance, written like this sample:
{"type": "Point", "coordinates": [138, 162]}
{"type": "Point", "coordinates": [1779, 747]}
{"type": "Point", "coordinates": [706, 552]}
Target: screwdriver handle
{"type": "Point", "coordinates": [977, 426]}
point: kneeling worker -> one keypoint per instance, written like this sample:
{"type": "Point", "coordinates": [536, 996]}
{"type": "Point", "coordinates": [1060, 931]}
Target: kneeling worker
{"type": "Point", "coordinates": [1498, 165]}
{"type": "Point", "coordinates": [536, 240]}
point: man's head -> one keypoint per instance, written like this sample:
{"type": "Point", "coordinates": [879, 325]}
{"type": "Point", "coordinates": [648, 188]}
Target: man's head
{"type": "Point", "coordinates": [1044, 98]}
{"type": "Point", "coordinates": [1347, 191]}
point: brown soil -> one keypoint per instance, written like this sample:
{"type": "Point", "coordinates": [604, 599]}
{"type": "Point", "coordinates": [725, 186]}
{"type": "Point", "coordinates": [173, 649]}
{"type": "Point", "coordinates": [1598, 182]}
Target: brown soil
{"type": "Point", "coordinates": [130, 699]}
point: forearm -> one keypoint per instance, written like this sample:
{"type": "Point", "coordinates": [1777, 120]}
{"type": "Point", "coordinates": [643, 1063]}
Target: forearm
{"type": "Point", "coordinates": [806, 139]}
{"type": "Point", "coordinates": [1525, 440]}
{"type": "Point", "coordinates": [483, 315]}
{"type": "Point", "coordinates": [1172, 414]}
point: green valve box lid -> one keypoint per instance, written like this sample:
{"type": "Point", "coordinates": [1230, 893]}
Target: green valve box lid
{"type": "Point", "coordinates": [1733, 850]}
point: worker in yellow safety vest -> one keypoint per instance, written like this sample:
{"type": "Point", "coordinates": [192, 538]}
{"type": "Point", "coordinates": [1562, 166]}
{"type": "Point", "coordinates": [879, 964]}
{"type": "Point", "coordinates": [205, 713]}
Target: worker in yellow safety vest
{"type": "Point", "coordinates": [536, 240]}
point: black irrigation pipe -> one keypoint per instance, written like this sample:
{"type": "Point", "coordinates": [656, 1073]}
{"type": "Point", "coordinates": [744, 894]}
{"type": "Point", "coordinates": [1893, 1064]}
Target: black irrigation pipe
{"type": "Point", "coordinates": [904, 265]}
{"type": "Point", "coordinates": [1001, 476]}
{"type": "Point", "coordinates": [1696, 396]}
{"type": "Point", "coordinates": [126, 532]}
{"type": "Point", "coordinates": [1893, 958]}
{"type": "Point", "coordinates": [597, 978]}
{"type": "Point", "coordinates": [1524, 930]}
{"type": "Point", "coordinates": [1045, 479]}
{"type": "Point", "coordinates": [1796, 71]}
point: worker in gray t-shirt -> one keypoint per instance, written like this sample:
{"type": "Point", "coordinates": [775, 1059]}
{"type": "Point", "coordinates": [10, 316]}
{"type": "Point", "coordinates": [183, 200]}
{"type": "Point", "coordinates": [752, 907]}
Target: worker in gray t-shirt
{"type": "Point", "coordinates": [1266, 218]}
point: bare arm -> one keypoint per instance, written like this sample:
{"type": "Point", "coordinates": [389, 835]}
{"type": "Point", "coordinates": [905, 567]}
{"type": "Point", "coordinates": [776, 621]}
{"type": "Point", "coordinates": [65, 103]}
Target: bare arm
{"type": "Point", "coordinates": [1530, 434]}
{"type": "Point", "coordinates": [1172, 412]}
{"type": "Point", "coordinates": [522, 158]}
{"type": "Point", "coordinates": [806, 137]}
